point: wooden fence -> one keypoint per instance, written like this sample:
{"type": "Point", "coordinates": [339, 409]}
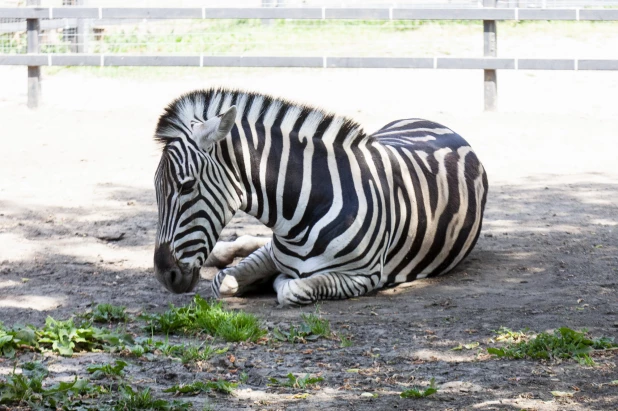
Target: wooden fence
{"type": "Point", "coordinates": [489, 63]}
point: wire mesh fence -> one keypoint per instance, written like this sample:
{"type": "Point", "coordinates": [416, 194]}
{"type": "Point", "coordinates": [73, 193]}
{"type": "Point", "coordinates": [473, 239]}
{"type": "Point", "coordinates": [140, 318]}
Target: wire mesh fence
{"type": "Point", "coordinates": [253, 36]}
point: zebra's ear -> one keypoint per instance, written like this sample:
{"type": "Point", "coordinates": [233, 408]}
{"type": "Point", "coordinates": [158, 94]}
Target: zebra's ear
{"type": "Point", "coordinates": [228, 119]}
{"type": "Point", "coordinates": [208, 133]}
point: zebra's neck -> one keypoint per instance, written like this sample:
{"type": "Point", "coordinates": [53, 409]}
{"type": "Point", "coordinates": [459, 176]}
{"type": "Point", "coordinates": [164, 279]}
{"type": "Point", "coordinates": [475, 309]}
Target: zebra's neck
{"type": "Point", "coordinates": [283, 158]}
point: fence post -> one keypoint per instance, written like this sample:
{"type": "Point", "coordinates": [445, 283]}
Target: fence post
{"type": "Point", "coordinates": [82, 31]}
{"type": "Point", "coordinates": [490, 49]}
{"type": "Point", "coordinates": [34, 72]}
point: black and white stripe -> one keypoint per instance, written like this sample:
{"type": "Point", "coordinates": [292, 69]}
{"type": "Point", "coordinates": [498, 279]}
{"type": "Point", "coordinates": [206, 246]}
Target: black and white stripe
{"type": "Point", "coordinates": [350, 212]}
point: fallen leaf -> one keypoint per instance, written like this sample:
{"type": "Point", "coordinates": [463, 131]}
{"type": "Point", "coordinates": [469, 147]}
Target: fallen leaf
{"type": "Point", "coordinates": [561, 394]}
{"type": "Point", "coordinates": [300, 396]}
{"type": "Point", "coordinates": [356, 370]}
{"type": "Point", "coordinates": [471, 345]}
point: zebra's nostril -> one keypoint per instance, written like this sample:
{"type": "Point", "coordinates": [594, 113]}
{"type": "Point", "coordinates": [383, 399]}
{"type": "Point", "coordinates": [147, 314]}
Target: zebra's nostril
{"type": "Point", "coordinates": [163, 257]}
{"type": "Point", "coordinates": [173, 275]}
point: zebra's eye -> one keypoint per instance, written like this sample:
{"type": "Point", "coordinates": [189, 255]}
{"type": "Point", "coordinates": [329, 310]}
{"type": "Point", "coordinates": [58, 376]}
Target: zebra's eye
{"type": "Point", "coordinates": [187, 187]}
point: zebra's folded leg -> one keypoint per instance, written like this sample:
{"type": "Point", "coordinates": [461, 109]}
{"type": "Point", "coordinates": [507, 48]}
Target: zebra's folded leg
{"type": "Point", "coordinates": [224, 252]}
{"type": "Point", "coordinates": [257, 268]}
{"type": "Point", "coordinates": [327, 286]}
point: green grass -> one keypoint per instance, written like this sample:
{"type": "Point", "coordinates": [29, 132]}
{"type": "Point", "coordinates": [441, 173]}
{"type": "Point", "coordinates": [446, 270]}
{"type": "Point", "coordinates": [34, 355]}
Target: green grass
{"type": "Point", "coordinates": [130, 399]}
{"type": "Point", "coordinates": [27, 389]}
{"type": "Point", "coordinates": [182, 352]}
{"type": "Point", "coordinates": [296, 382]}
{"type": "Point", "coordinates": [345, 341]}
{"type": "Point", "coordinates": [196, 353]}
{"type": "Point", "coordinates": [311, 328]}
{"type": "Point", "coordinates": [564, 343]}
{"type": "Point", "coordinates": [420, 393]}
{"type": "Point", "coordinates": [107, 370]}
{"type": "Point", "coordinates": [107, 313]}
{"type": "Point", "coordinates": [212, 318]}
{"type": "Point", "coordinates": [198, 387]}
{"type": "Point", "coordinates": [293, 37]}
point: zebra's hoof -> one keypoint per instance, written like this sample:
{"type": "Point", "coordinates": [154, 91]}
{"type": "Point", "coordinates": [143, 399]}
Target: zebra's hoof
{"type": "Point", "coordinates": [229, 286]}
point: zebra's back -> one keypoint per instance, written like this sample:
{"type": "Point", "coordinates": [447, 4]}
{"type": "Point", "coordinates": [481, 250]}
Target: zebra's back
{"type": "Point", "coordinates": [437, 193]}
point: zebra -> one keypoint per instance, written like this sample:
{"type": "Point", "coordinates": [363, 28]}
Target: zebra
{"type": "Point", "coordinates": [350, 212]}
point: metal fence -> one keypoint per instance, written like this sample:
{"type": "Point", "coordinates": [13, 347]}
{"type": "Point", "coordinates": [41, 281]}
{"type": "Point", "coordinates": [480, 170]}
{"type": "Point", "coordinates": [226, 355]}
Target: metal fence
{"type": "Point", "coordinates": [84, 20]}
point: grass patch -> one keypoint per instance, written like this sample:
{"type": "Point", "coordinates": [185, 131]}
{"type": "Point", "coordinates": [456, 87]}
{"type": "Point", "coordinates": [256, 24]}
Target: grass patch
{"type": "Point", "coordinates": [131, 399]}
{"type": "Point", "coordinates": [107, 313]}
{"type": "Point", "coordinates": [345, 341]}
{"type": "Point", "coordinates": [198, 387]}
{"type": "Point", "coordinates": [312, 328]}
{"type": "Point", "coordinates": [107, 370]}
{"type": "Point", "coordinates": [181, 352]}
{"type": "Point", "coordinates": [27, 389]}
{"type": "Point", "coordinates": [60, 336]}
{"type": "Point", "coordinates": [296, 382]}
{"type": "Point", "coordinates": [64, 337]}
{"type": "Point", "coordinates": [564, 343]}
{"type": "Point", "coordinates": [196, 353]}
{"type": "Point", "coordinates": [202, 316]}
{"type": "Point", "coordinates": [420, 393]}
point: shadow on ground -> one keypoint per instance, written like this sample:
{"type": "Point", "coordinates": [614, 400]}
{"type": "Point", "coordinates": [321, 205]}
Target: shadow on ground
{"type": "Point", "coordinates": [547, 257]}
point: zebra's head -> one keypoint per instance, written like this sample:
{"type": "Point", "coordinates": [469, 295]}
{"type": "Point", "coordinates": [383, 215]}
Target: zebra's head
{"type": "Point", "coordinates": [190, 191]}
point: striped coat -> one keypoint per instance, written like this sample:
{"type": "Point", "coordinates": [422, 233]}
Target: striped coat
{"type": "Point", "coordinates": [350, 211]}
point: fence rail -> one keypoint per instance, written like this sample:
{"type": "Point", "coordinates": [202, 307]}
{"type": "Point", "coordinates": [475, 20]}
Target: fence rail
{"type": "Point", "coordinates": [488, 14]}
{"type": "Point", "coordinates": [312, 13]}
{"type": "Point", "coordinates": [103, 60]}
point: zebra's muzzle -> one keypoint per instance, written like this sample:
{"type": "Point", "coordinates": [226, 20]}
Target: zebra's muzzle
{"type": "Point", "coordinates": [174, 276]}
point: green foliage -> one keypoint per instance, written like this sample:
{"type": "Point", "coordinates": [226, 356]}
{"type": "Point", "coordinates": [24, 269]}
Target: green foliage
{"type": "Point", "coordinates": [420, 393]}
{"type": "Point", "coordinates": [184, 353]}
{"type": "Point", "coordinates": [312, 328]}
{"type": "Point", "coordinates": [564, 343]}
{"type": "Point", "coordinates": [27, 388]}
{"type": "Point", "coordinates": [197, 387]}
{"type": "Point", "coordinates": [14, 338]}
{"type": "Point", "coordinates": [61, 336]}
{"type": "Point", "coordinates": [296, 382]}
{"type": "Point", "coordinates": [317, 326]}
{"type": "Point", "coordinates": [107, 370]}
{"type": "Point", "coordinates": [106, 313]}
{"type": "Point", "coordinates": [64, 337]}
{"type": "Point", "coordinates": [198, 353]}
{"type": "Point", "coordinates": [207, 317]}
{"type": "Point", "coordinates": [345, 341]}
{"type": "Point", "coordinates": [131, 399]}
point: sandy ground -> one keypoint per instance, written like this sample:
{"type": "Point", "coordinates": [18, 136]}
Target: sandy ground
{"type": "Point", "coordinates": [81, 167]}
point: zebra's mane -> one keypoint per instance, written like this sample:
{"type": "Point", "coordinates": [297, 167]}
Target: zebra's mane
{"type": "Point", "coordinates": [201, 105]}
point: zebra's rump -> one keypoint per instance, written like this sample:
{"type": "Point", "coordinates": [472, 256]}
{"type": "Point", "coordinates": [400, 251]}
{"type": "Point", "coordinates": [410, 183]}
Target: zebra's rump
{"type": "Point", "coordinates": [438, 201]}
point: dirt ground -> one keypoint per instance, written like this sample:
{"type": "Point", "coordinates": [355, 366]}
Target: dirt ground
{"type": "Point", "coordinates": [79, 170]}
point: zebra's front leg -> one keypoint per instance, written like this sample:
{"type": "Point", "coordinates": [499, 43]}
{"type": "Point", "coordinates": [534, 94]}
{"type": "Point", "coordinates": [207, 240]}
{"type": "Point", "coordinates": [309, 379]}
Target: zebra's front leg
{"type": "Point", "coordinates": [224, 252]}
{"type": "Point", "coordinates": [256, 268]}
{"type": "Point", "coordinates": [327, 286]}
